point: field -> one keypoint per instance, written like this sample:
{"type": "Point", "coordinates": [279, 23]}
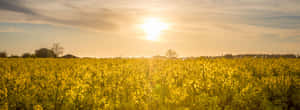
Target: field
{"type": "Point", "coordinates": [150, 84]}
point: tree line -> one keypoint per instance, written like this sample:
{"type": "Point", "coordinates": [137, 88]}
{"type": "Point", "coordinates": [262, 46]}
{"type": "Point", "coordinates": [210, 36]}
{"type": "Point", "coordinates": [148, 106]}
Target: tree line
{"type": "Point", "coordinates": [55, 52]}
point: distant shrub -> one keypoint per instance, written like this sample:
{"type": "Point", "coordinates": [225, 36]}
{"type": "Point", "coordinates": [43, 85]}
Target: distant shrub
{"type": "Point", "coordinates": [69, 56]}
{"type": "Point", "coordinates": [14, 56]}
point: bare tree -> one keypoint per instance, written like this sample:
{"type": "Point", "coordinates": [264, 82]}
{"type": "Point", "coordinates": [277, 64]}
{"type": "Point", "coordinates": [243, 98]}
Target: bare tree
{"type": "Point", "coordinates": [57, 49]}
{"type": "Point", "coordinates": [171, 53]}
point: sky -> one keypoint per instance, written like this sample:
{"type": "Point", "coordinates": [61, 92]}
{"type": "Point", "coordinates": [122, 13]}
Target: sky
{"type": "Point", "coordinates": [103, 28]}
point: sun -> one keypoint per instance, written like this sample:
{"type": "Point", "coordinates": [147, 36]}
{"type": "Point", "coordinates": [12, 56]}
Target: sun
{"type": "Point", "coordinates": [153, 28]}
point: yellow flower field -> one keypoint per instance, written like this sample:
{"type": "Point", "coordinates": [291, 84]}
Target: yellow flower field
{"type": "Point", "coordinates": [150, 84]}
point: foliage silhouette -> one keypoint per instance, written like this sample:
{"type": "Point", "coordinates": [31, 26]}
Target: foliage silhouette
{"type": "Point", "coordinates": [171, 53]}
{"type": "Point", "coordinates": [44, 53]}
{"type": "Point", "coordinates": [3, 55]}
{"type": "Point", "coordinates": [28, 55]}
{"type": "Point", "coordinates": [14, 56]}
{"type": "Point", "coordinates": [69, 56]}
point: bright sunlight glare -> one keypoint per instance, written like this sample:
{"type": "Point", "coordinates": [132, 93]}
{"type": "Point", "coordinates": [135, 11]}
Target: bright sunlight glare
{"type": "Point", "coordinates": [153, 27]}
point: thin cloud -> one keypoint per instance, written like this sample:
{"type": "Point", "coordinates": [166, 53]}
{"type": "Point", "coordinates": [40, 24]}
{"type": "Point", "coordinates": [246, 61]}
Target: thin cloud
{"type": "Point", "coordinates": [10, 29]}
{"type": "Point", "coordinates": [98, 20]}
{"type": "Point", "coordinates": [16, 6]}
{"type": "Point", "coordinates": [231, 16]}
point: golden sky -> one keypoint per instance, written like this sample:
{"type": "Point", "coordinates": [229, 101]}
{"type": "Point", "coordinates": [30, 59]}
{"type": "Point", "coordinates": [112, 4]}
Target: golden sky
{"type": "Point", "coordinates": [115, 27]}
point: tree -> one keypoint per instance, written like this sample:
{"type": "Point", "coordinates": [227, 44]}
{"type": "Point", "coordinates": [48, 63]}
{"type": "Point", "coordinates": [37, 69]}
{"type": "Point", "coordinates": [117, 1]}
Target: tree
{"type": "Point", "coordinates": [171, 53]}
{"type": "Point", "coordinates": [3, 55]}
{"type": "Point", "coordinates": [44, 53]}
{"type": "Point", "coordinates": [69, 56]}
{"type": "Point", "coordinates": [27, 55]}
{"type": "Point", "coordinates": [57, 49]}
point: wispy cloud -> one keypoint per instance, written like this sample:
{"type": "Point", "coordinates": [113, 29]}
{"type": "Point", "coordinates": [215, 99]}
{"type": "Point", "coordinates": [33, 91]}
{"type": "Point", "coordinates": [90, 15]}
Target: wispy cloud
{"type": "Point", "coordinates": [97, 19]}
{"type": "Point", "coordinates": [254, 17]}
{"type": "Point", "coordinates": [16, 6]}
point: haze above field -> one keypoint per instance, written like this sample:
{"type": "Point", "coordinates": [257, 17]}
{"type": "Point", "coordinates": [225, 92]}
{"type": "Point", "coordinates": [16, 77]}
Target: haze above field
{"type": "Point", "coordinates": [149, 27]}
